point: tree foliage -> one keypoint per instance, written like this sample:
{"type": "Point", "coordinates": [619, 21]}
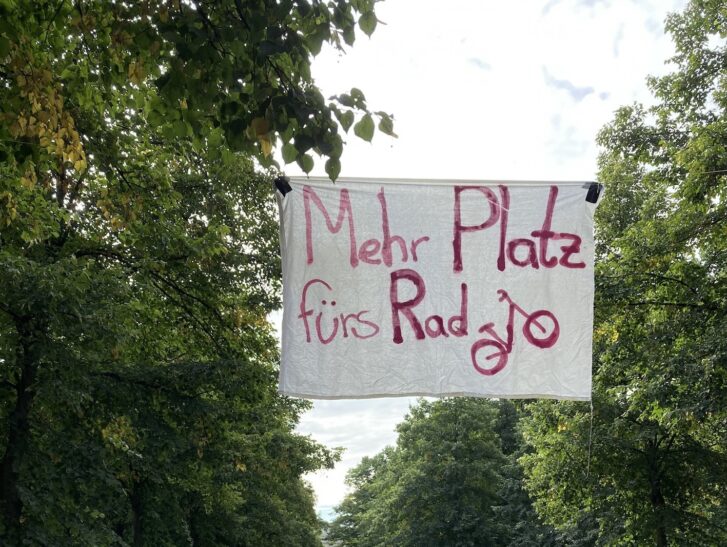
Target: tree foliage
{"type": "Point", "coordinates": [655, 473]}
{"type": "Point", "coordinates": [446, 482]}
{"type": "Point", "coordinates": [138, 260]}
{"type": "Point", "coordinates": [234, 73]}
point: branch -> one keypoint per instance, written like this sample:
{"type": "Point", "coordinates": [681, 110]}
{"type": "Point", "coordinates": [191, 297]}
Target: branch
{"type": "Point", "coordinates": [52, 19]}
{"type": "Point", "coordinates": [181, 291]}
{"type": "Point", "coordinates": [76, 188]}
{"type": "Point", "coordinates": [205, 328]}
{"type": "Point", "coordinates": [240, 14]}
{"type": "Point", "coordinates": [84, 31]}
{"type": "Point", "coordinates": [122, 176]}
{"type": "Point", "coordinates": [217, 42]}
{"type": "Point", "coordinates": [655, 276]}
{"type": "Point", "coordinates": [672, 304]}
{"type": "Point", "coordinates": [143, 383]}
{"type": "Point", "coordinates": [10, 312]}
{"type": "Point", "coordinates": [169, 283]}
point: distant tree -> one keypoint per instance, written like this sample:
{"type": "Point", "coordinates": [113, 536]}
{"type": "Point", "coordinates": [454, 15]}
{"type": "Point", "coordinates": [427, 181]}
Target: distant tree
{"type": "Point", "coordinates": [439, 485]}
{"type": "Point", "coordinates": [138, 262]}
{"type": "Point", "coordinates": [516, 512]}
{"type": "Point", "coordinates": [364, 518]}
{"type": "Point", "coordinates": [655, 471]}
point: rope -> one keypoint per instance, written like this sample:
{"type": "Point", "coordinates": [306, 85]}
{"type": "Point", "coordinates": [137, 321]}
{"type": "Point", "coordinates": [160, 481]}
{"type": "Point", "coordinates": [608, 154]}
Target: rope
{"type": "Point", "coordinates": [590, 443]}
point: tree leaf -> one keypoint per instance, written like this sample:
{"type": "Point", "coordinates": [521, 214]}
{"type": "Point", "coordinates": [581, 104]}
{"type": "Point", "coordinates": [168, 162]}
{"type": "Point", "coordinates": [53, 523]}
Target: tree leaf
{"type": "Point", "coordinates": [333, 168]}
{"type": "Point", "coordinates": [364, 128]}
{"type": "Point", "coordinates": [4, 47]}
{"type": "Point", "coordinates": [305, 162]}
{"type": "Point", "coordinates": [386, 126]}
{"type": "Point", "coordinates": [179, 128]}
{"type": "Point", "coordinates": [349, 35]}
{"type": "Point", "coordinates": [359, 99]}
{"type": "Point", "coordinates": [266, 146]}
{"type": "Point", "coordinates": [367, 22]}
{"type": "Point", "coordinates": [289, 152]}
{"type": "Point", "coordinates": [346, 119]}
{"type": "Point", "coordinates": [346, 100]}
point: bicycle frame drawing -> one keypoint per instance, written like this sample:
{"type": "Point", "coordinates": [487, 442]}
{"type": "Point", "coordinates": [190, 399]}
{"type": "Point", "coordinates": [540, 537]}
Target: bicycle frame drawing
{"type": "Point", "coordinates": [544, 337]}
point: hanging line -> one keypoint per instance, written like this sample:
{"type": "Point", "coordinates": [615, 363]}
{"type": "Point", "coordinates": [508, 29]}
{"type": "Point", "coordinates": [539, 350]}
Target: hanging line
{"type": "Point", "coordinates": [485, 182]}
{"type": "Point", "coordinates": [437, 182]}
{"type": "Point", "coordinates": [590, 443]}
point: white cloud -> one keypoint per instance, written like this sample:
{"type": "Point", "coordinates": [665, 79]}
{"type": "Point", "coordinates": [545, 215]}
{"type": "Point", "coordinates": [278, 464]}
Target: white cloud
{"type": "Point", "coordinates": [576, 93]}
{"type": "Point", "coordinates": [361, 427]}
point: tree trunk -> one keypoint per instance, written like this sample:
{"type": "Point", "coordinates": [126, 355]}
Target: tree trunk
{"type": "Point", "coordinates": [136, 511]}
{"type": "Point", "coordinates": [28, 353]}
{"type": "Point", "coordinates": [657, 501]}
{"type": "Point", "coordinates": [191, 517]}
{"type": "Point", "coordinates": [657, 496]}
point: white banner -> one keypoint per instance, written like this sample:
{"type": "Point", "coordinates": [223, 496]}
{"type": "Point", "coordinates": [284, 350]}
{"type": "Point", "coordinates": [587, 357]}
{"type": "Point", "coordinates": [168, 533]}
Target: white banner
{"type": "Point", "coordinates": [433, 288]}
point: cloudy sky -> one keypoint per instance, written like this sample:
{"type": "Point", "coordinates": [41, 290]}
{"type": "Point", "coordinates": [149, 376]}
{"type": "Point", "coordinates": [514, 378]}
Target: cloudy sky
{"type": "Point", "coordinates": [481, 90]}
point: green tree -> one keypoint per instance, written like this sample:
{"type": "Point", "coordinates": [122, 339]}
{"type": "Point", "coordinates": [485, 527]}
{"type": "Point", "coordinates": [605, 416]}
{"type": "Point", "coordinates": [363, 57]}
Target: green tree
{"type": "Point", "coordinates": [655, 470]}
{"type": "Point", "coordinates": [516, 512]}
{"type": "Point", "coordinates": [138, 260]}
{"type": "Point", "coordinates": [438, 486]}
{"type": "Point", "coordinates": [364, 518]}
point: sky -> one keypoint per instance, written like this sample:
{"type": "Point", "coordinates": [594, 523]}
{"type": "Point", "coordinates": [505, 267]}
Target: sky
{"type": "Point", "coordinates": [480, 90]}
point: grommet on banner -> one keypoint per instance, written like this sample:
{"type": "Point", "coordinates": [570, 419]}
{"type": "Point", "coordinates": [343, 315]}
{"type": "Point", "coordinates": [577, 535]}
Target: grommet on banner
{"type": "Point", "coordinates": [282, 183]}
{"type": "Point", "coordinates": [594, 190]}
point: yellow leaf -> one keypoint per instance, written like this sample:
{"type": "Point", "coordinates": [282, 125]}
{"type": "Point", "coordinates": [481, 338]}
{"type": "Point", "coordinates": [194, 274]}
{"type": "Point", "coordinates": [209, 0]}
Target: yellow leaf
{"type": "Point", "coordinates": [267, 147]}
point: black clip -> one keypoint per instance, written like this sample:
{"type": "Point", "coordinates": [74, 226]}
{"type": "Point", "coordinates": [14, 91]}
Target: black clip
{"type": "Point", "coordinates": [282, 183]}
{"type": "Point", "coordinates": [594, 190]}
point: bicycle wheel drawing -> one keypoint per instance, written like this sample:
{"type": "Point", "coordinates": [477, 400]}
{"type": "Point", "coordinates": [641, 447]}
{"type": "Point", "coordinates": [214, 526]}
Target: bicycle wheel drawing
{"type": "Point", "coordinates": [541, 329]}
{"type": "Point", "coordinates": [500, 355]}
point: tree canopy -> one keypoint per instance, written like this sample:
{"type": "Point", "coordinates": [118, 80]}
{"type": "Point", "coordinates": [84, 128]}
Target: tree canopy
{"type": "Point", "coordinates": [139, 260]}
{"type": "Point", "coordinates": [451, 479]}
{"type": "Point", "coordinates": [657, 471]}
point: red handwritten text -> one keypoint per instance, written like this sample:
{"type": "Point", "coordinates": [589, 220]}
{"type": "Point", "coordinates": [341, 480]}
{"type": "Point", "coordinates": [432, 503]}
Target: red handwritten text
{"type": "Point", "coordinates": [536, 249]}
{"type": "Point", "coordinates": [371, 251]}
{"type": "Point", "coordinates": [434, 325]}
{"type": "Point", "coordinates": [349, 322]}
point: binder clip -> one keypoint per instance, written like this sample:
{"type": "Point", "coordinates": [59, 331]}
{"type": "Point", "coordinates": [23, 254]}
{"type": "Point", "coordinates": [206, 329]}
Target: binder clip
{"type": "Point", "coordinates": [282, 183]}
{"type": "Point", "coordinates": [594, 190]}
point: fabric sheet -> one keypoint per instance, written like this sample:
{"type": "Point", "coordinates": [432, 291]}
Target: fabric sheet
{"type": "Point", "coordinates": [441, 289]}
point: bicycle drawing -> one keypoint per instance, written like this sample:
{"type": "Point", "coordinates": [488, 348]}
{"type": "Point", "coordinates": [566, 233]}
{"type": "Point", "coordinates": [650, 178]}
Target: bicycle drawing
{"type": "Point", "coordinates": [540, 328]}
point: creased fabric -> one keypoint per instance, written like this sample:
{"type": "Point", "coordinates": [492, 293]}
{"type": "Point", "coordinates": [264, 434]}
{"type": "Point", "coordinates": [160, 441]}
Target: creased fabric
{"type": "Point", "coordinates": [395, 289]}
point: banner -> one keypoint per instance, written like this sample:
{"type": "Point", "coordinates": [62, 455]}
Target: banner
{"type": "Point", "coordinates": [434, 288]}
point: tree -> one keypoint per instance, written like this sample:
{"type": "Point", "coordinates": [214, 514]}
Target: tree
{"type": "Point", "coordinates": [516, 513]}
{"type": "Point", "coordinates": [138, 259]}
{"type": "Point", "coordinates": [233, 72]}
{"type": "Point", "coordinates": [654, 469]}
{"type": "Point", "coordinates": [438, 486]}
